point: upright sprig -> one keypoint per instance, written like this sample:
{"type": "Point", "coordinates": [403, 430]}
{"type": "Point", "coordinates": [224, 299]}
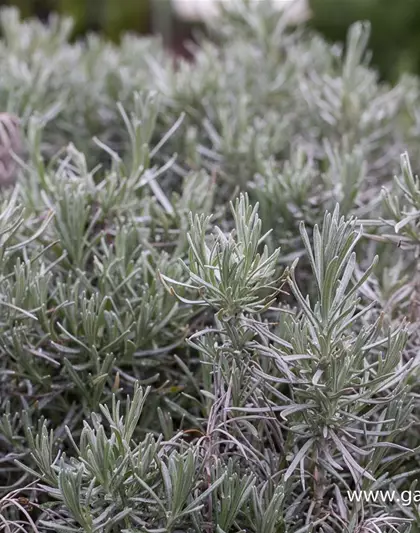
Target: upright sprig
{"type": "Point", "coordinates": [350, 377]}
{"type": "Point", "coordinates": [228, 271]}
{"type": "Point", "coordinates": [405, 218]}
{"type": "Point", "coordinates": [237, 284]}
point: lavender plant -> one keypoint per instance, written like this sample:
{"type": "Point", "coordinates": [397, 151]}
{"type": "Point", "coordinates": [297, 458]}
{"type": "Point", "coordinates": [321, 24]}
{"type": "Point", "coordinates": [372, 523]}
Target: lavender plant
{"type": "Point", "coordinates": [188, 342]}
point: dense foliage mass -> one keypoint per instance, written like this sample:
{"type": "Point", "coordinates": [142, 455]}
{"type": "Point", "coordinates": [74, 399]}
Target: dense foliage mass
{"type": "Point", "coordinates": [209, 290]}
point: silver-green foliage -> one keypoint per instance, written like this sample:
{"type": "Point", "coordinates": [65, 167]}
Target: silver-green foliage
{"type": "Point", "coordinates": [166, 365]}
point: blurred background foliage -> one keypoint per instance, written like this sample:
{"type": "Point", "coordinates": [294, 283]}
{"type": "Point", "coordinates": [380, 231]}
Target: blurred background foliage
{"type": "Point", "coordinates": [108, 16]}
{"type": "Point", "coordinates": [111, 17]}
{"type": "Point", "coordinates": [395, 39]}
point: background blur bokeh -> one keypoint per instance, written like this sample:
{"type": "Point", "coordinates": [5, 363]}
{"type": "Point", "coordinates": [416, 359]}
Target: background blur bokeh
{"type": "Point", "coordinates": [395, 40]}
{"type": "Point", "coordinates": [109, 17]}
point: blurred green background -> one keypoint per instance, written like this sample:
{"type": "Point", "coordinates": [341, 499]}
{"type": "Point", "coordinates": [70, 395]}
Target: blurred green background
{"type": "Point", "coordinates": [109, 16]}
{"type": "Point", "coordinates": [395, 40]}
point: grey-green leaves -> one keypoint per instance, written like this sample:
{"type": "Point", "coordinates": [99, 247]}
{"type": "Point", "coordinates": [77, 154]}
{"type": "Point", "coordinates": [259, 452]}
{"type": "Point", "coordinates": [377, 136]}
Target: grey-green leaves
{"type": "Point", "coordinates": [230, 272]}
